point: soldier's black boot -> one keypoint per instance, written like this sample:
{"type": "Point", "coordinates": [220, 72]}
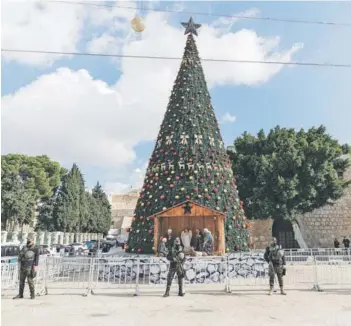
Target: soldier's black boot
{"type": "Point", "coordinates": [181, 291]}
{"type": "Point", "coordinates": [167, 291]}
{"type": "Point", "coordinates": [19, 296]}
{"type": "Point", "coordinates": [32, 295]}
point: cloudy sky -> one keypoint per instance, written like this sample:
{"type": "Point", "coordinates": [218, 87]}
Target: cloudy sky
{"type": "Point", "coordinates": [104, 113]}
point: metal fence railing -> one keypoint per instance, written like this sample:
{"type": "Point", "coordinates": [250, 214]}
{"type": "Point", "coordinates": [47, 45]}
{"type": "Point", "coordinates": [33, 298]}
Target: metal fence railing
{"type": "Point", "coordinates": [137, 273]}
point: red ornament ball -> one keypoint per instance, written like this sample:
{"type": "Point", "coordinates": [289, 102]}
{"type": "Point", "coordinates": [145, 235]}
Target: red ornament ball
{"type": "Point", "coordinates": [171, 185]}
{"type": "Point", "coordinates": [140, 250]}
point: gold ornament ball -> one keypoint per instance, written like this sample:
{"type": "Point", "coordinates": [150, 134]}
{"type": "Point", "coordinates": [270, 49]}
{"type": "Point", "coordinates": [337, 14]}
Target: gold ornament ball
{"type": "Point", "coordinates": [137, 24]}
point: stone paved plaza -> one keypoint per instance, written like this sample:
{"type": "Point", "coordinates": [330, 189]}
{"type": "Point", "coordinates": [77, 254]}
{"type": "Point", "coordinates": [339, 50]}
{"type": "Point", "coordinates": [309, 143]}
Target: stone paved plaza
{"type": "Point", "coordinates": [246, 308]}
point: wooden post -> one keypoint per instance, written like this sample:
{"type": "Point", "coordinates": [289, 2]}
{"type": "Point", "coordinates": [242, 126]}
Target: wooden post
{"type": "Point", "coordinates": [156, 232]}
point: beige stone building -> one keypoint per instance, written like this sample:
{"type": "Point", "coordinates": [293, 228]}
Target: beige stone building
{"type": "Point", "coordinates": [122, 207]}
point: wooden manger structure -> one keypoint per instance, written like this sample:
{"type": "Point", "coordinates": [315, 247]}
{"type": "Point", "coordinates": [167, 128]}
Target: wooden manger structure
{"type": "Point", "coordinates": [192, 216]}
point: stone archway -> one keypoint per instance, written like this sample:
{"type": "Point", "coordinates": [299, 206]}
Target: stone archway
{"type": "Point", "coordinates": [284, 232]}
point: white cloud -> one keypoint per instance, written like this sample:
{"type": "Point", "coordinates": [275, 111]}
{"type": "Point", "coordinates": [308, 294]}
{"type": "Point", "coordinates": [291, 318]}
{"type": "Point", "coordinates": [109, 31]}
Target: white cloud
{"type": "Point", "coordinates": [133, 181]}
{"type": "Point", "coordinates": [226, 23]}
{"type": "Point", "coordinates": [227, 118]}
{"type": "Point", "coordinates": [36, 25]}
{"type": "Point", "coordinates": [105, 43]}
{"type": "Point", "coordinates": [116, 15]}
{"type": "Point", "coordinates": [58, 27]}
{"type": "Point", "coordinates": [73, 118]}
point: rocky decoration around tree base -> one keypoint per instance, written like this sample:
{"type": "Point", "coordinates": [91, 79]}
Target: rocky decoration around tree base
{"type": "Point", "coordinates": [153, 270]}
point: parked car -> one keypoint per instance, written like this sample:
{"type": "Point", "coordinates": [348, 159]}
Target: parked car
{"type": "Point", "coordinates": [94, 249]}
{"type": "Point", "coordinates": [90, 243]}
{"type": "Point", "coordinates": [121, 241]}
{"type": "Point", "coordinates": [110, 241]}
{"type": "Point", "coordinates": [60, 247]}
{"type": "Point", "coordinates": [47, 250]}
{"type": "Point", "coordinates": [9, 253]}
{"type": "Point", "coordinates": [79, 247]}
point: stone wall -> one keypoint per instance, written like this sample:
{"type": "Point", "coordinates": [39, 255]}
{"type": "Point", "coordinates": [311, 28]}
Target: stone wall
{"type": "Point", "coordinates": [320, 227]}
{"type": "Point", "coordinates": [197, 270]}
{"type": "Point", "coordinates": [48, 238]}
{"type": "Point", "coordinates": [261, 232]}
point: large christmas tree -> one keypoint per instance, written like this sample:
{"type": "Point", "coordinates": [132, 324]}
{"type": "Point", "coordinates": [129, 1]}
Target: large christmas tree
{"type": "Point", "coordinates": [189, 161]}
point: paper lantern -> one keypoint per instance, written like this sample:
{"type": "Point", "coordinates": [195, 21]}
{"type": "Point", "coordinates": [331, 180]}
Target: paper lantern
{"type": "Point", "coordinates": [137, 24]}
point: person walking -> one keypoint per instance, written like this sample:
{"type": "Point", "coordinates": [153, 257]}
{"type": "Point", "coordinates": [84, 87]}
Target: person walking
{"type": "Point", "coordinates": [28, 260]}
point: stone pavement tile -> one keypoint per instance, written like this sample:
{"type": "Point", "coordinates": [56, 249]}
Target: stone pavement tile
{"type": "Point", "coordinates": [303, 308]}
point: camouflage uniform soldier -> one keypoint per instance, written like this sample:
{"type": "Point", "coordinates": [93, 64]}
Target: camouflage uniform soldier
{"type": "Point", "coordinates": [176, 257]}
{"type": "Point", "coordinates": [276, 266]}
{"type": "Point", "coordinates": [28, 260]}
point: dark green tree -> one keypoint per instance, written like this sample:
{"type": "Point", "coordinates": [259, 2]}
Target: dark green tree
{"type": "Point", "coordinates": [17, 203]}
{"type": "Point", "coordinates": [288, 172]}
{"type": "Point", "coordinates": [46, 220]}
{"type": "Point", "coordinates": [103, 221]}
{"type": "Point", "coordinates": [40, 174]}
{"type": "Point", "coordinates": [70, 205]}
{"type": "Point", "coordinates": [189, 161]}
{"type": "Point", "coordinates": [38, 177]}
{"type": "Point", "coordinates": [93, 214]}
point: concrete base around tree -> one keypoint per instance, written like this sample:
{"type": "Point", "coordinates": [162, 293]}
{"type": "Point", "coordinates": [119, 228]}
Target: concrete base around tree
{"type": "Point", "coordinates": [249, 308]}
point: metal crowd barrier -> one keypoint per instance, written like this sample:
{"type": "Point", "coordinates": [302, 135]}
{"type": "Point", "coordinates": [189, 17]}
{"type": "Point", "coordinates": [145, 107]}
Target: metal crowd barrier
{"type": "Point", "coordinates": [241, 271]}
